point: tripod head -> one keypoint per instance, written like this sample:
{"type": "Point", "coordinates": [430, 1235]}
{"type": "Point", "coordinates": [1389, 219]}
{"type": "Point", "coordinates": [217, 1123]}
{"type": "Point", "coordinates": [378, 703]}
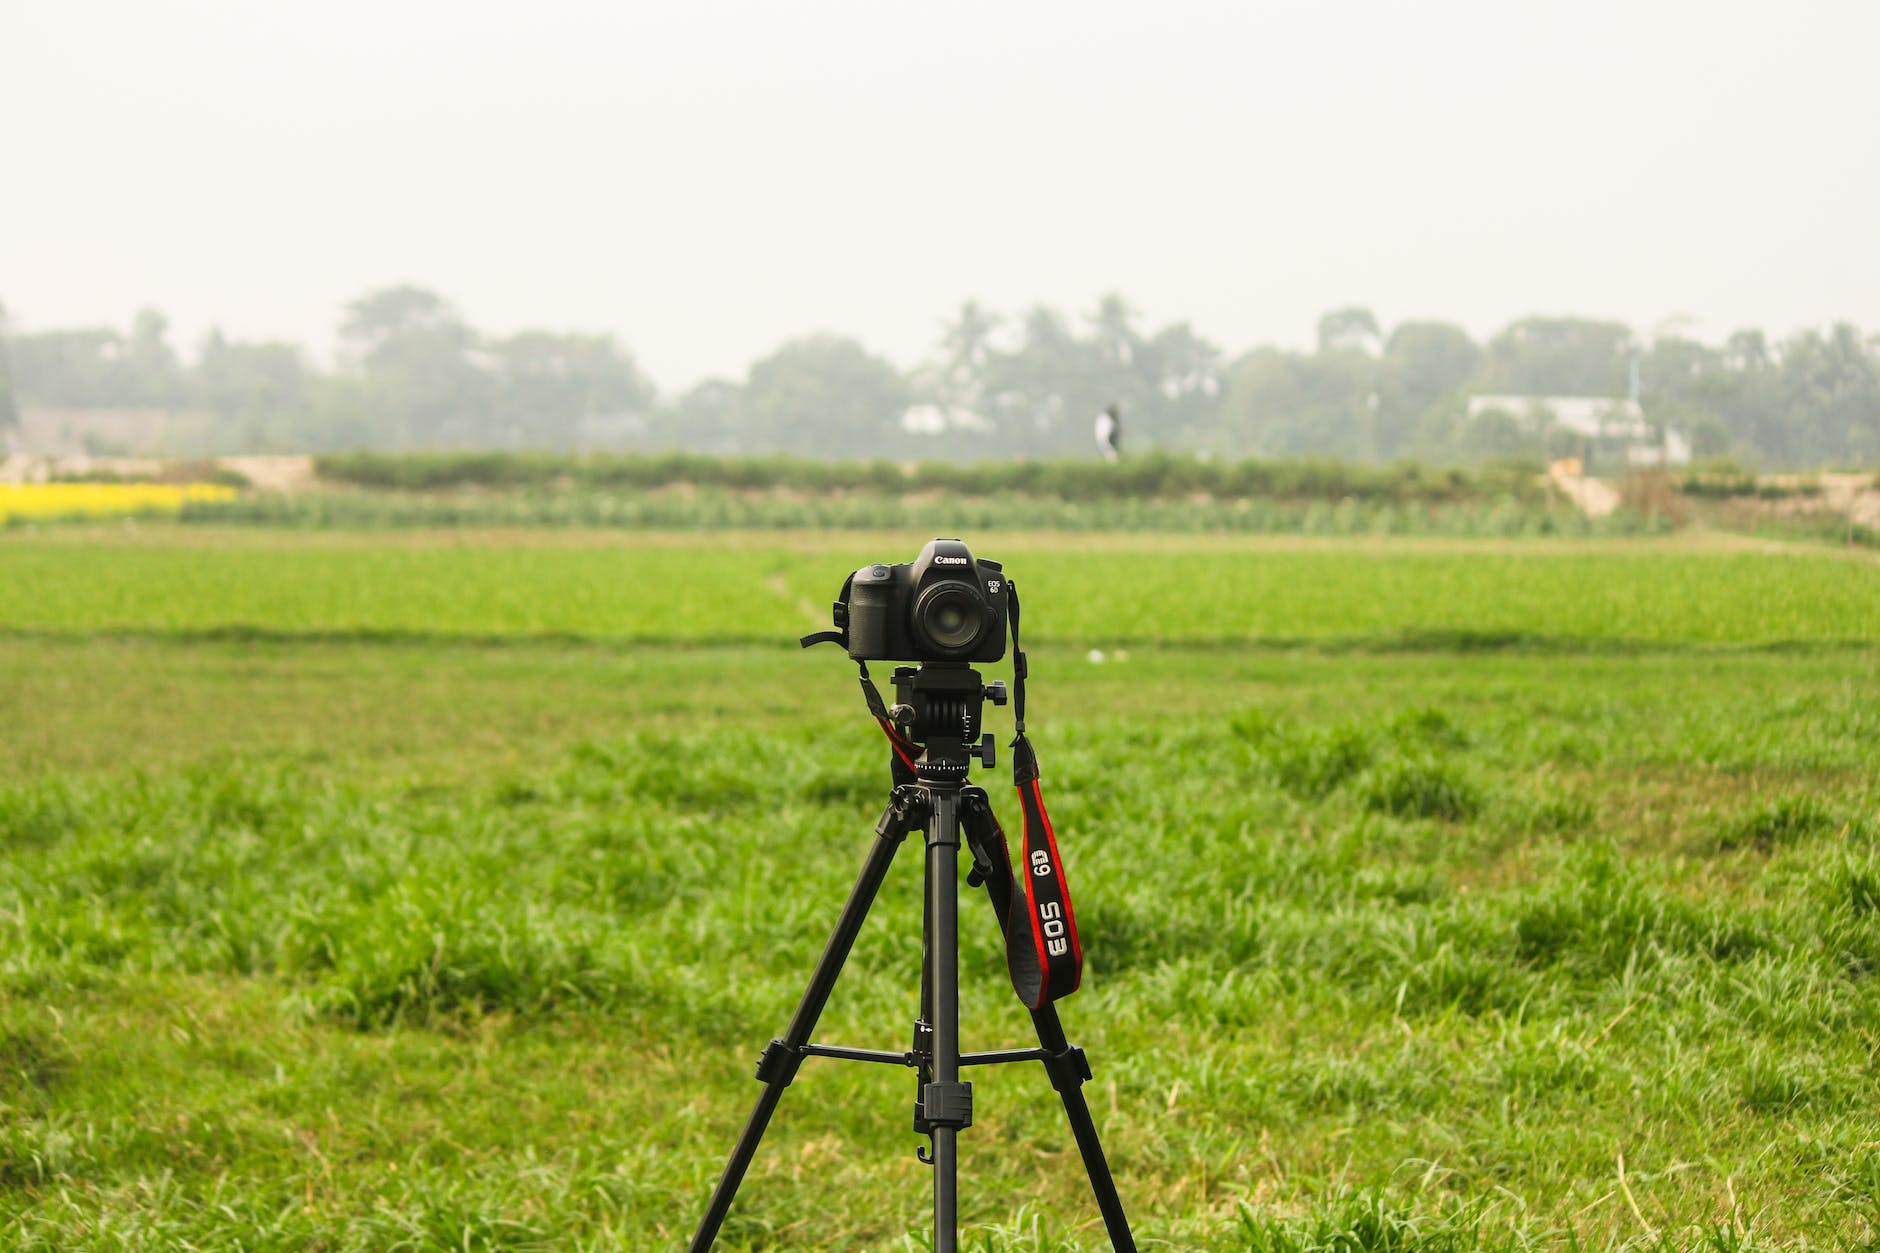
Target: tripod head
{"type": "Point", "coordinates": [938, 704]}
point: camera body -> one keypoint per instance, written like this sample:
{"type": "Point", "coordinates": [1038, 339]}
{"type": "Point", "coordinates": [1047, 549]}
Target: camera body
{"type": "Point", "coordinates": [943, 606]}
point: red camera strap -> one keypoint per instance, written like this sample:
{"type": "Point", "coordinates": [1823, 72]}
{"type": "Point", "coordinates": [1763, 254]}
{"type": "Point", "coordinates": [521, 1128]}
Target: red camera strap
{"type": "Point", "coordinates": [1055, 953]}
{"type": "Point", "coordinates": [1059, 954]}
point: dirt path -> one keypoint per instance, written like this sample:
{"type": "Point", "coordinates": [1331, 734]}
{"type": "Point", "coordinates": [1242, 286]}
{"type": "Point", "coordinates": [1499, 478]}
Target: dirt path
{"type": "Point", "coordinates": [273, 474]}
{"type": "Point", "coordinates": [1593, 498]}
{"type": "Point", "coordinates": [1854, 496]}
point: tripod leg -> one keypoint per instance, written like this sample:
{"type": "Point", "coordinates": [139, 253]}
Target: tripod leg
{"type": "Point", "coordinates": [782, 1057]}
{"type": "Point", "coordinates": [1069, 1069]}
{"type": "Point", "coordinates": [1066, 1065]}
{"type": "Point", "coordinates": [946, 1104]}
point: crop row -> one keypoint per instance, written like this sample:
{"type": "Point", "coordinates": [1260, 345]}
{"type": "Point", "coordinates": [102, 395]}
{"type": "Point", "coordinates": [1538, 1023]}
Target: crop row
{"type": "Point", "coordinates": [22, 502]}
{"type": "Point", "coordinates": [1163, 475]}
{"type": "Point", "coordinates": [720, 509]}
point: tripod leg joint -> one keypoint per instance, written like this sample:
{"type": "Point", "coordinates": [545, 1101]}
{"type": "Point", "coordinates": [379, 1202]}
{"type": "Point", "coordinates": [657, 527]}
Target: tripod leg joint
{"type": "Point", "coordinates": [907, 809]}
{"type": "Point", "coordinates": [779, 1063]}
{"type": "Point", "coordinates": [1069, 1070]}
{"type": "Point", "coordinates": [944, 1104]}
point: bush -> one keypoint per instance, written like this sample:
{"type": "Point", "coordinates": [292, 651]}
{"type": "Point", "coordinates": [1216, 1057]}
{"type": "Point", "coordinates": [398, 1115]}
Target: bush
{"type": "Point", "coordinates": [1785, 820]}
{"type": "Point", "coordinates": [1422, 788]}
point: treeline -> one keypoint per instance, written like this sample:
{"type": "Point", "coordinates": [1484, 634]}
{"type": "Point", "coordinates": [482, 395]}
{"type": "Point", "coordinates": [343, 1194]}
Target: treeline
{"type": "Point", "coordinates": [412, 373]}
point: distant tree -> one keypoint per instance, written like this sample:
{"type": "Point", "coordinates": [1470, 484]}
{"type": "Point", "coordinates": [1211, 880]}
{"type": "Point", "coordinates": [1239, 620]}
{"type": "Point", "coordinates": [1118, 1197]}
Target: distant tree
{"type": "Point", "coordinates": [1747, 396]}
{"type": "Point", "coordinates": [824, 395]}
{"type": "Point", "coordinates": [1161, 381]}
{"type": "Point", "coordinates": [378, 317]}
{"type": "Point", "coordinates": [339, 417]}
{"type": "Point", "coordinates": [1044, 394]}
{"type": "Point", "coordinates": [74, 369]}
{"type": "Point", "coordinates": [414, 373]}
{"type": "Point", "coordinates": [153, 377]}
{"type": "Point", "coordinates": [956, 380]}
{"type": "Point", "coordinates": [556, 390]}
{"type": "Point", "coordinates": [1746, 350]}
{"type": "Point", "coordinates": [967, 340]}
{"type": "Point", "coordinates": [1352, 328]}
{"type": "Point", "coordinates": [1558, 357]}
{"type": "Point", "coordinates": [1675, 372]}
{"type": "Point", "coordinates": [417, 361]}
{"type": "Point", "coordinates": [1560, 442]}
{"type": "Point", "coordinates": [1265, 389]}
{"type": "Point", "coordinates": [708, 417]}
{"type": "Point", "coordinates": [1040, 394]}
{"type": "Point", "coordinates": [1709, 436]}
{"type": "Point", "coordinates": [1116, 339]}
{"type": "Point", "coordinates": [1289, 404]}
{"type": "Point", "coordinates": [97, 367]}
{"type": "Point", "coordinates": [9, 410]}
{"type": "Point", "coordinates": [1440, 428]}
{"type": "Point", "coordinates": [1181, 372]}
{"type": "Point", "coordinates": [1680, 381]}
{"type": "Point", "coordinates": [1830, 393]}
{"type": "Point", "coordinates": [1423, 363]}
{"type": "Point", "coordinates": [259, 395]}
{"type": "Point", "coordinates": [1496, 435]}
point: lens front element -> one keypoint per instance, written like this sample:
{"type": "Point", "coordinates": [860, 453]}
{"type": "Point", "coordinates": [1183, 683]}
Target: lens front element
{"type": "Point", "coordinates": [949, 618]}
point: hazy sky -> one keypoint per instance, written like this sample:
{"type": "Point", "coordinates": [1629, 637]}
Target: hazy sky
{"type": "Point", "coordinates": [706, 180]}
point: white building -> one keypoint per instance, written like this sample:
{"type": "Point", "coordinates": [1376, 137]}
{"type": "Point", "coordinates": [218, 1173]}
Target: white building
{"type": "Point", "coordinates": [1614, 423]}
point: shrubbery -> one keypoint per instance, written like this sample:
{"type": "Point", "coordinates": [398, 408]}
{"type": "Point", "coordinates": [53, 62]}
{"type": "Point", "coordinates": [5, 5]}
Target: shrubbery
{"type": "Point", "coordinates": [719, 508]}
{"type": "Point", "coordinates": [1157, 476]}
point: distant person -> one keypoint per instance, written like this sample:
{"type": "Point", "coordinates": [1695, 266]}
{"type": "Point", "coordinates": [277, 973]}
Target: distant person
{"type": "Point", "coordinates": [1110, 434]}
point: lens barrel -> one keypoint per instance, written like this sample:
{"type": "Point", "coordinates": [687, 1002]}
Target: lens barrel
{"type": "Point", "coordinates": [949, 618]}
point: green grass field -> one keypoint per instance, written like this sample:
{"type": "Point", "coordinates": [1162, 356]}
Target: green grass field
{"type": "Point", "coordinates": [437, 890]}
{"type": "Point", "coordinates": [763, 590]}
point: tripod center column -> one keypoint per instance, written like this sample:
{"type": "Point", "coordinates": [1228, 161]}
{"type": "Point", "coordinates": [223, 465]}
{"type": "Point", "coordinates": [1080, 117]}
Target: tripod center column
{"type": "Point", "coordinates": [946, 1103]}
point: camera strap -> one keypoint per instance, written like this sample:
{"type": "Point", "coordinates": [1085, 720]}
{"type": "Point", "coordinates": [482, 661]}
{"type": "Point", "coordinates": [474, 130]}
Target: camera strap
{"type": "Point", "coordinates": [1043, 953]}
{"type": "Point", "coordinates": [1057, 955]}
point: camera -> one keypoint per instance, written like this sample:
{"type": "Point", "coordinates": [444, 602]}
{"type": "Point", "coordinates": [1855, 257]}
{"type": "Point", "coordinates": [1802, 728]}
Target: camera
{"type": "Point", "coordinates": [942, 606]}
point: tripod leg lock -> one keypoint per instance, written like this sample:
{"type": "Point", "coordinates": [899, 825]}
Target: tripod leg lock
{"type": "Point", "coordinates": [944, 1105]}
{"type": "Point", "coordinates": [907, 809]}
{"type": "Point", "coordinates": [779, 1064]}
{"type": "Point", "coordinates": [1069, 1070]}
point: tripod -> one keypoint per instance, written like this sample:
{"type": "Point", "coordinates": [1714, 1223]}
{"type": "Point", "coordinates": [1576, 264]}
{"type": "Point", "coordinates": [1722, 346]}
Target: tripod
{"type": "Point", "coordinates": [940, 709]}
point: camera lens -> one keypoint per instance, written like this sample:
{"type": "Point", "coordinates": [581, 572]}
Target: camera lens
{"type": "Point", "coordinates": [949, 618]}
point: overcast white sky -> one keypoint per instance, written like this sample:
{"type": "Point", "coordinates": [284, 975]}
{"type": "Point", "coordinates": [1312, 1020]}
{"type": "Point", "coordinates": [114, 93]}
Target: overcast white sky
{"type": "Point", "coordinates": [706, 180]}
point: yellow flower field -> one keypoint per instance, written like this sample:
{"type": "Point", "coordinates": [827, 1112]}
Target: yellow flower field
{"type": "Point", "coordinates": [65, 500]}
